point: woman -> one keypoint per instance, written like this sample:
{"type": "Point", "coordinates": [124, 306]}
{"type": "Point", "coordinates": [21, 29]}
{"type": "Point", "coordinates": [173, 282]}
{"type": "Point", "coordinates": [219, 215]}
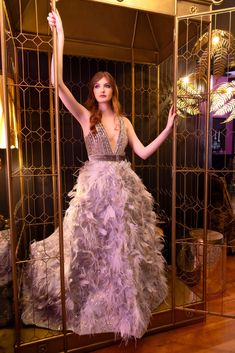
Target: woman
{"type": "Point", "coordinates": [114, 269]}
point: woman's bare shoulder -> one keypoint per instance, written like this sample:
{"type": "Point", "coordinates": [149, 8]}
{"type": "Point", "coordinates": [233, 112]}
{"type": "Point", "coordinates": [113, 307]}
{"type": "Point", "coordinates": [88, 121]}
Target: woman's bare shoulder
{"type": "Point", "coordinates": [127, 122]}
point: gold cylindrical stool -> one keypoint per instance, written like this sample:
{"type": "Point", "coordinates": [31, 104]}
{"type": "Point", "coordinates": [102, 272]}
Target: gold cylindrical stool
{"type": "Point", "coordinates": [216, 259]}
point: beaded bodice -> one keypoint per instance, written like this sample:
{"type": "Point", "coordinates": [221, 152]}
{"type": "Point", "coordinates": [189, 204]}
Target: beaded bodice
{"type": "Point", "coordinates": [98, 144]}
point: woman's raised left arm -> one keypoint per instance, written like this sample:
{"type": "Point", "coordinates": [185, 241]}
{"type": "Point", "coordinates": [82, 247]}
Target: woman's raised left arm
{"type": "Point", "coordinates": [145, 151]}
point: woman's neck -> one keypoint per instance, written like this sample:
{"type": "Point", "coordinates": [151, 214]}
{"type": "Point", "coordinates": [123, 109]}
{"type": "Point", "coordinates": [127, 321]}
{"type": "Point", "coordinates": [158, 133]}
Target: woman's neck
{"type": "Point", "coordinates": [105, 108]}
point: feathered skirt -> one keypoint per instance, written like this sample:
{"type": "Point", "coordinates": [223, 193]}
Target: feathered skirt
{"type": "Point", "coordinates": [114, 271]}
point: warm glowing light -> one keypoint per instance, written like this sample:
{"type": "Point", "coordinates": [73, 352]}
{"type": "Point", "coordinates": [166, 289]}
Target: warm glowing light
{"type": "Point", "coordinates": [215, 40]}
{"type": "Point", "coordinates": [185, 79]}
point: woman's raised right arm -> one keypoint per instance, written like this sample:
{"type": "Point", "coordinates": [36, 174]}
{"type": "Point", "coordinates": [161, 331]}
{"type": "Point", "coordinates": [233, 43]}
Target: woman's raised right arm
{"type": "Point", "coordinates": [75, 108]}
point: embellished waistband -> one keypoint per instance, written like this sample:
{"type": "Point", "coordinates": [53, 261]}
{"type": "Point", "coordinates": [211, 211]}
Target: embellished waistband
{"type": "Point", "coordinates": [107, 157]}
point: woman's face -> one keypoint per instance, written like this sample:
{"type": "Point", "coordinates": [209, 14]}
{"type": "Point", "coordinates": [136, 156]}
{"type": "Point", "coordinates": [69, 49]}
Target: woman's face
{"type": "Point", "coordinates": [103, 90]}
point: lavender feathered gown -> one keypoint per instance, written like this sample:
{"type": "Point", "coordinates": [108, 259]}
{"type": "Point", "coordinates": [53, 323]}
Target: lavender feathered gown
{"type": "Point", "coordinates": [114, 270]}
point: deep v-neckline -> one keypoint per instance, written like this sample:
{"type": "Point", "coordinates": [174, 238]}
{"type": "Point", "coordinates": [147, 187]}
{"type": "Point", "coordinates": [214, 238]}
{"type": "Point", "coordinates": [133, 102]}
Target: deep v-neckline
{"type": "Point", "coordinates": [115, 150]}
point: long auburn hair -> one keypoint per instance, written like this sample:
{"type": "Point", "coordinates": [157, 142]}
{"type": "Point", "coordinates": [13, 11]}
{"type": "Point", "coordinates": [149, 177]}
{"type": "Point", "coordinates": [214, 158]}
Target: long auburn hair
{"type": "Point", "coordinates": [92, 104]}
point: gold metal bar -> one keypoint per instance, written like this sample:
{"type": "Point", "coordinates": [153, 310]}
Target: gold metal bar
{"type": "Point", "coordinates": [158, 127]}
{"type": "Point", "coordinates": [35, 175]}
{"type": "Point", "coordinates": [59, 183]}
{"type": "Point", "coordinates": [207, 312]}
{"type": "Point", "coordinates": [26, 85]}
{"type": "Point", "coordinates": [133, 99]}
{"type": "Point", "coordinates": [8, 167]}
{"type": "Point", "coordinates": [152, 32]}
{"type": "Point", "coordinates": [207, 127]}
{"type": "Point", "coordinates": [133, 81]}
{"type": "Point", "coordinates": [134, 29]}
{"type": "Point", "coordinates": [174, 167]}
{"type": "Point", "coordinates": [53, 162]}
{"type": "Point", "coordinates": [206, 13]}
{"type": "Point", "coordinates": [20, 154]}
